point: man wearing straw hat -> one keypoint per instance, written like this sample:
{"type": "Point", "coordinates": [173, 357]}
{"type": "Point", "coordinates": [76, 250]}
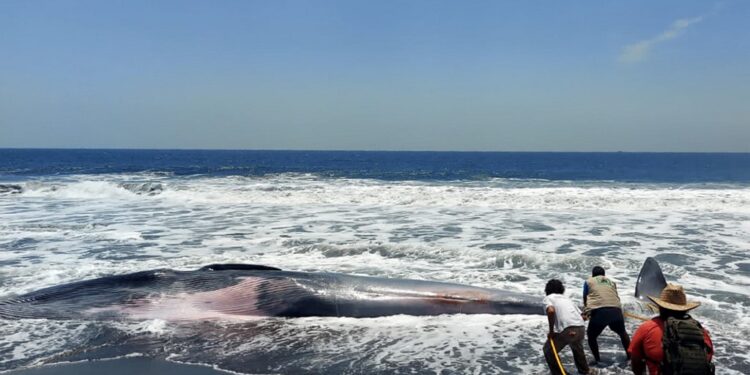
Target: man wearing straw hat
{"type": "Point", "coordinates": [673, 342]}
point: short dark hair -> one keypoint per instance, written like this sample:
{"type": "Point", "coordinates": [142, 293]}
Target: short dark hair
{"type": "Point", "coordinates": [597, 271]}
{"type": "Point", "coordinates": [554, 286]}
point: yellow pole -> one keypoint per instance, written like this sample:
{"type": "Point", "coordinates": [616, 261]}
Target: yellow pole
{"type": "Point", "coordinates": [554, 350]}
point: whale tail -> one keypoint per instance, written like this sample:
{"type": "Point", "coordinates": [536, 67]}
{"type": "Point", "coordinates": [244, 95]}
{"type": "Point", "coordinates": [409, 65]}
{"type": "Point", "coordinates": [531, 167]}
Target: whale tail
{"type": "Point", "coordinates": [651, 280]}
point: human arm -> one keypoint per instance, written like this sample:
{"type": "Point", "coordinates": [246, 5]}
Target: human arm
{"type": "Point", "coordinates": [709, 343]}
{"type": "Point", "coordinates": [585, 292]}
{"type": "Point", "coordinates": [638, 365]}
{"type": "Point", "coordinates": [636, 352]}
{"type": "Point", "coordinates": [551, 320]}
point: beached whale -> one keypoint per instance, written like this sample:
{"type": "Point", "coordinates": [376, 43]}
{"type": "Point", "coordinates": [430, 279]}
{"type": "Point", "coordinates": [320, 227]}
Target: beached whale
{"type": "Point", "coordinates": [240, 291]}
{"type": "Point", "coordinates": [245, 291]}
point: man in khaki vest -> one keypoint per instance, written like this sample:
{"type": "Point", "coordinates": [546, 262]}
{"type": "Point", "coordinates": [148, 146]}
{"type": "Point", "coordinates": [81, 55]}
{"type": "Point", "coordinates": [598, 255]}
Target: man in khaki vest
{"type": "Point", "coordinates": [602, 306]}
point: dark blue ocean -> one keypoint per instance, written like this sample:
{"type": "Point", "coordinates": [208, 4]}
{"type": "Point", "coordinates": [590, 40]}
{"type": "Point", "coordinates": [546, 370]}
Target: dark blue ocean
{"type": "Point", "coordinates": [507, 221]}
{"type": "Point", "coordinates": [624, 167]}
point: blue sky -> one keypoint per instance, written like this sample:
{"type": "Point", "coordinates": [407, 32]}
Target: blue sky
{"type": "Point", "coordinates": [376, 75]}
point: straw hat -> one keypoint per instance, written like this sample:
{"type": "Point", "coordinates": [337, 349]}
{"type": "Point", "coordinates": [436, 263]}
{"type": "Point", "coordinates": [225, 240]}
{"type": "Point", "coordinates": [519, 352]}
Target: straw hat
{"type": "Point", "coordinates": [673, 298]}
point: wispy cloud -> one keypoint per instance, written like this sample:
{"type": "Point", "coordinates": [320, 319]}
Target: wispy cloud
{"type": "Point", "coordinates": [637, 52]}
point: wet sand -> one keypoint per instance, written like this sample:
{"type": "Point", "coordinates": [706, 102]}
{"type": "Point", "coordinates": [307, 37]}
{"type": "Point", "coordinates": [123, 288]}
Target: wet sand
{"type": "Point", "coordinates": [123, 366]}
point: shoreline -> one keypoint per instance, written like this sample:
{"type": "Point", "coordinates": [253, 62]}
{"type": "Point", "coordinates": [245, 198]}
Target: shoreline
{"type": "Point", "coordinates": [120, 366]}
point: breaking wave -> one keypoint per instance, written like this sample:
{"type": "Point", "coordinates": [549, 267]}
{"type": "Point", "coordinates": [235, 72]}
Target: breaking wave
{"type": "Point", "coordinates": [497, 194]}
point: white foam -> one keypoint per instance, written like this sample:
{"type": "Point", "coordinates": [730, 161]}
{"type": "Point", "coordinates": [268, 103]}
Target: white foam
{"type": "Point", "coordinates": [80, 190]}
{"type": "Point", "coordinates": [293, 191]}
{"type": "Point", "coordinates": [500, 234]}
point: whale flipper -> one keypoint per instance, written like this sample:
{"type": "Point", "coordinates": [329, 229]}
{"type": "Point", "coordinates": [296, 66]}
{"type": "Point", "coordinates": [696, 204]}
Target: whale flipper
{"type": "Point", "coordinates": [651, 280]}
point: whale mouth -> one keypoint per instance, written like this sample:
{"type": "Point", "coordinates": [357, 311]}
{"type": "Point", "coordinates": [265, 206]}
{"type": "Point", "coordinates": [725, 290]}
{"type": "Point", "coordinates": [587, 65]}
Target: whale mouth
{"type": "Point", "coordinates": [223, 291]}
{"type": "Point", "coordinates": [241, 301]}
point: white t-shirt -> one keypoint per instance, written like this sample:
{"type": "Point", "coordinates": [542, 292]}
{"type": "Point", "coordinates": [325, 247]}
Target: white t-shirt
{"type": "Point", "coordinates": [566, 312]}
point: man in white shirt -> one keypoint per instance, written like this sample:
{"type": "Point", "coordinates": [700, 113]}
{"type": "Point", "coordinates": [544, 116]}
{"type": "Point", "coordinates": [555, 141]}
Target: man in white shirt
{"type": "Point", "coordinates": [565, 327]}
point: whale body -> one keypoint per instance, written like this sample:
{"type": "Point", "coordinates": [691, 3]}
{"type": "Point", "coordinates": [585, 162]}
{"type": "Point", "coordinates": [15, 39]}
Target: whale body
{"type": "Point", "coordinates": [241, 291]}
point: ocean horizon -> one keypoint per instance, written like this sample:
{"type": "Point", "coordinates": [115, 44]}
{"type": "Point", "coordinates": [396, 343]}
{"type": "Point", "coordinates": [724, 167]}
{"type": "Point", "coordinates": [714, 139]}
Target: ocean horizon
{"type": "Point", "coordinates": [388, 165]}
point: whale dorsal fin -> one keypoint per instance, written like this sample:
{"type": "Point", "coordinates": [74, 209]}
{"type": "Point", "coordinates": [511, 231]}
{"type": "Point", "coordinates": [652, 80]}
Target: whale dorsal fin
{"type": "Point", "coordinates": [651, 280]}
{"type": "Point", "coordinates": [237, 266]}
